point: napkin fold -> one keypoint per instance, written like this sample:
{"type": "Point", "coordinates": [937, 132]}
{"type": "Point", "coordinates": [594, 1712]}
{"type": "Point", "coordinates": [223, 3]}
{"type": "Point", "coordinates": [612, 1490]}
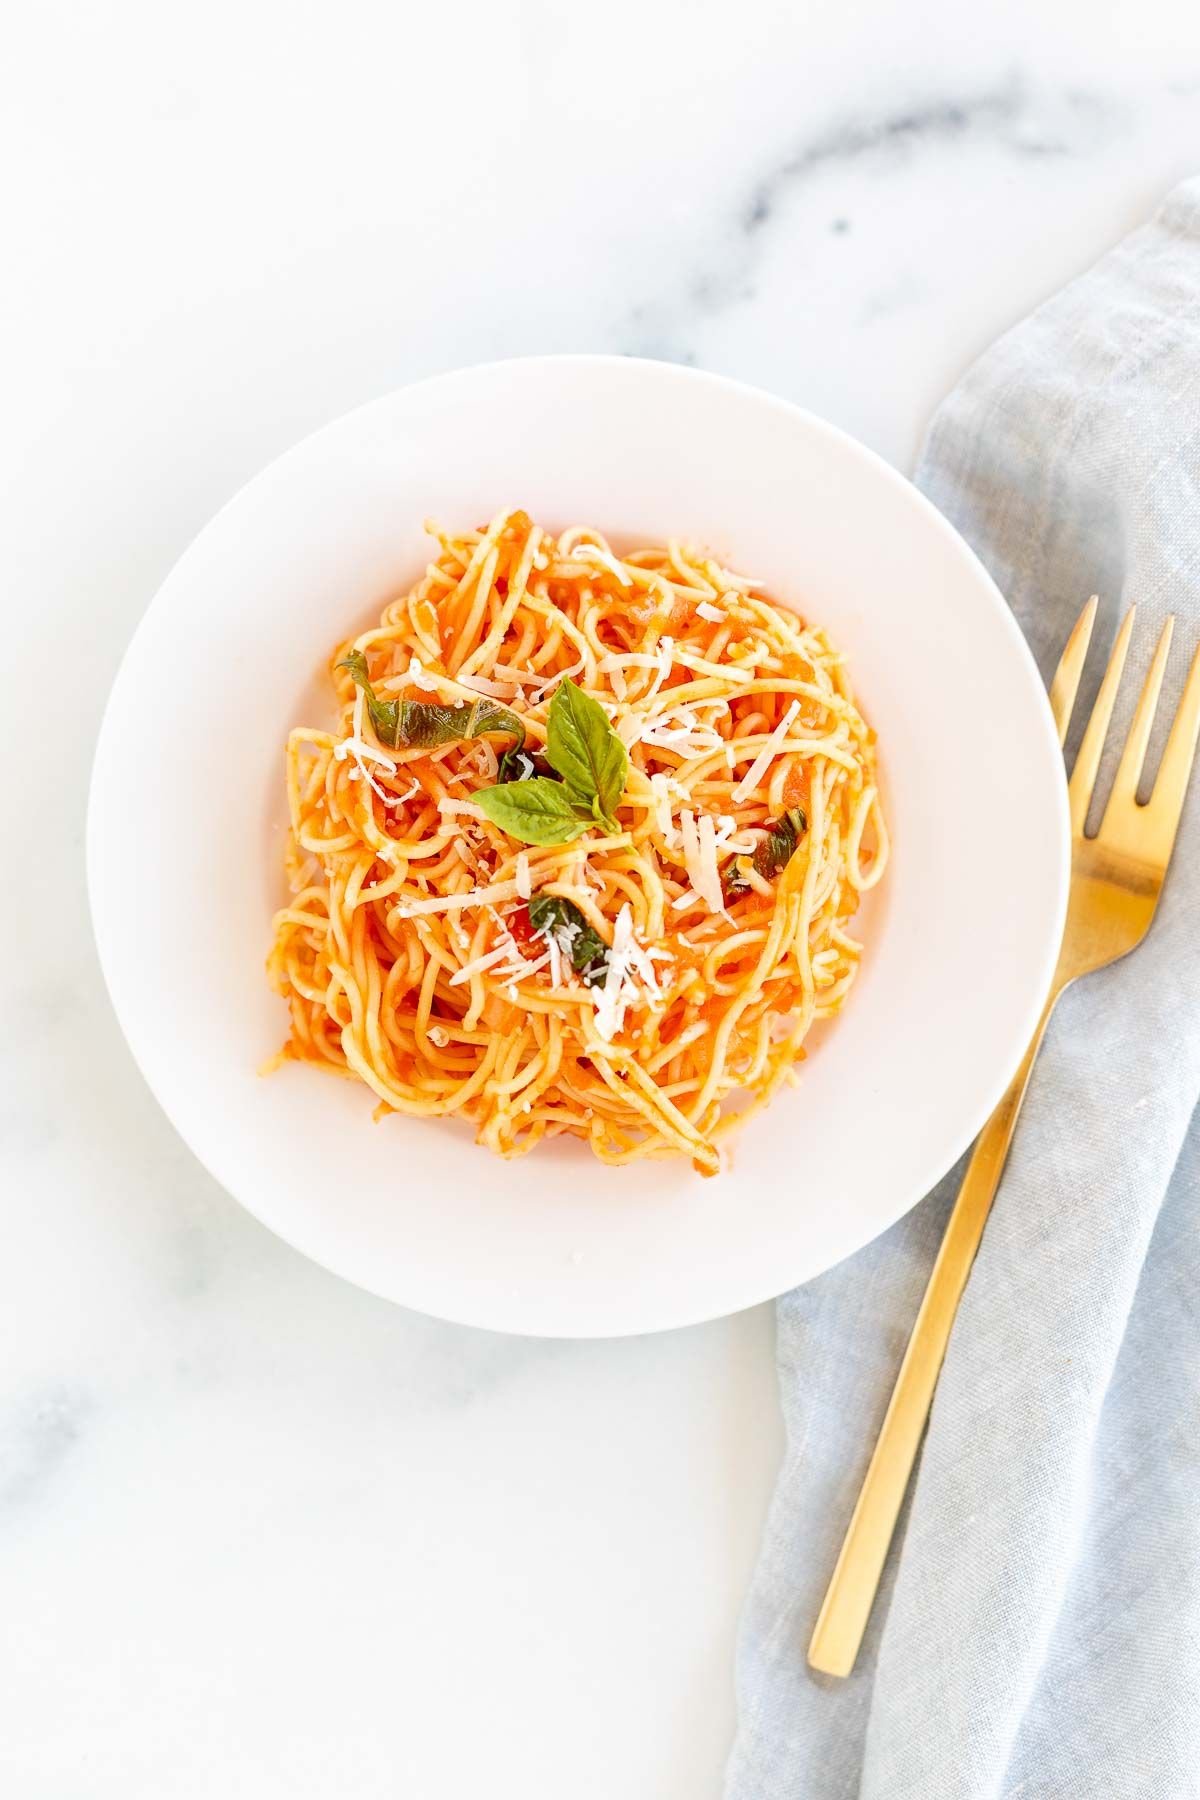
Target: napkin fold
{"type": "Point", "coordinates": [1038, 1629]}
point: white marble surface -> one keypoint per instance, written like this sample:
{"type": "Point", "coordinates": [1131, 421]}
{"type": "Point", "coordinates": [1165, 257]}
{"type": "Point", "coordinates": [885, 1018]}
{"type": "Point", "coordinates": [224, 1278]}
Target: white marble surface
{"type": "Point", "coordinates": [261, 1535]}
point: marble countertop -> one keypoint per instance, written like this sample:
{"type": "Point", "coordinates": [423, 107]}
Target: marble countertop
{"type": "Point", "coordinates": [260, 1534]}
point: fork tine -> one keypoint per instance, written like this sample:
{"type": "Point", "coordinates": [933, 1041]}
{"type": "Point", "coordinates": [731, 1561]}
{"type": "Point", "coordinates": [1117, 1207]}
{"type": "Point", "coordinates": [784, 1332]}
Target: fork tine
{"type": "Point", "coordinates": [1083, 776]}
{"type": "Point", "coordinates": [1170, 787]}
{"type": "Point", "coordinates": [1129, 769]}
{"type": "Point", "coordinates": [1065, 685]}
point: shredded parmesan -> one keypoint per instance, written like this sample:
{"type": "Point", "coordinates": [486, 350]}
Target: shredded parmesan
{"type": "Point", "coordinates": [553, 680]}
{"type": "Point", "coordinates": [766, 755]}
{"type": "Point", "coordinates": [682, 729]}
{"type": "Point", "coordinates": [524, 889]}
{"type": "Point", "coordinates": [738, 584]}
{"type": "Point", "coordinates": [700, 858]}
{"type": "Point", "coordinates": [593, 553]}
{"type": "Point", "coordinates": [706, 610]}
{"type": "Point", "coordinates": [665, 657]}
{"type": "Point", "coordinates": [363, 752]}
{"type": "Point", "coordinates": [454, 808]}
{"type": "Point", "coordinates": [495, 690]}
{"type": "Point", "coordinates": [436, 903]}
{"type": "Point", "coordinates": [487, 961]}
{"type": "Point", "coordinates": [662, 807]}
{"type": "Point", "coordinates": [516, 678]}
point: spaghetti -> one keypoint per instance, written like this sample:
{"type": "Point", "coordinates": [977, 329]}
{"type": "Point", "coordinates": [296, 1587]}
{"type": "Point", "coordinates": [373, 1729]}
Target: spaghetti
{"type": "Point", "coordinates": [647, 978]}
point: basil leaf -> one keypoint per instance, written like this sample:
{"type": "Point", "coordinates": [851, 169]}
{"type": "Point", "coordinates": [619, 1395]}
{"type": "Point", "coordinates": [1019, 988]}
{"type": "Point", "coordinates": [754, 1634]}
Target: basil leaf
{"type": "Point", "coordinates": [384, 714]}
{"type": "Point", "coordinates": [772, 853]}
{"type": "Point", "coordinates": [397, 723]}
{"type": "Point", "coordinates": [425, 724]}
{"type": "Point", "coordinates": [582, 745]}
{"type": "Point", "coordinates": [777, 849]}
{"type": "Point", "coordinates": [733, 882]}
{"type": "Point", "coordinates": [552, 916]}
{"type": "Point", "coordinates": [535, 812]}
{"type": "Point", "coordinates": [522, 765]}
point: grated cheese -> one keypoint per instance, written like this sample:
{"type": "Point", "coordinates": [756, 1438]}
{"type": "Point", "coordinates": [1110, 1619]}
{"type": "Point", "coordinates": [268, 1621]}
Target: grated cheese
{"type": "Point", "coordinates": [766, 755]}
{"type": "Point", "coordinates": [706, 610]}
{"type": "Point", "coordinates": [630, 728]}
{"type": "Point", "coordinates": [662, 807]}
{"type": "Point", "coordinates": [741, 843]}
{"type": "Point", "coordinates": [700, 858]}
{"type": "Point", "coordinates": [711, 888]}
{"type": "Point", "coordinates": [558, 675]}
{"type": "Point", "coordinates": [517, 678]}
{"type": "Point", "coordinates": [454, 808]}
{"type": "Point", "coordinates": [630, 977]}
{"type": "Point", "coordinates": [524, 886]}
{"type": "Point", "coordinates": [467, 856]}
{"type": "Point", "coordinates": [527, 967]}
{"type": "Point", "coordinates": [436, 903]}
{"type": "Point", "coordinates": [479, 684]}
{"type": "Point", "coordinates": [593, 553]}
{"type": "Point", "coordinates": [680, 728]}
{"type": "Point", "coordinates": [488, 960]}
{"type": "Point", "coordinates": [362, 752]}
{"type": "Point", "coordinates": [739, 584]}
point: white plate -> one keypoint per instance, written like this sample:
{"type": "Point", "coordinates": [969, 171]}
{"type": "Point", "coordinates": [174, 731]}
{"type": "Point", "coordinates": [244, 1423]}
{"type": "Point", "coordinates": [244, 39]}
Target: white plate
{"type": "Point", "coordinates": [187, 815]}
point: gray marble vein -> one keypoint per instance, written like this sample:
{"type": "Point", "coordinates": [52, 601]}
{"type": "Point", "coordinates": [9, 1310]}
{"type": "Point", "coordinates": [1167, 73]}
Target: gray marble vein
{"type": "Point", "coordinates": [1012, 116]}
{"type": "Point", "coordinates": [38, 1435]}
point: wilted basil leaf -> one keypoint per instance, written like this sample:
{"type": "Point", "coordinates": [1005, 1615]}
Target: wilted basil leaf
{"type": "Point", "coordinates": [399, 724]}
{"type": "Point", "coordinates": [562, 919]}
{"type": "Point", "coordinates": [773, 853]}
{"type": "Point", "coordinates": [776, 850]}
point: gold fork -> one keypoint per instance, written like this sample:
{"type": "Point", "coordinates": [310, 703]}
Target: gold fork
{"type": "Point", "coordinates": [1116, 879]}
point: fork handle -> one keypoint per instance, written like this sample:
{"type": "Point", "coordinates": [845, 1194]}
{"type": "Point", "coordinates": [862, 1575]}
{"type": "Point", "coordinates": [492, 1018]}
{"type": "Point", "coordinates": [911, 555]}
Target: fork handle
{"type": "Point", "coordinates": [851, 1593]}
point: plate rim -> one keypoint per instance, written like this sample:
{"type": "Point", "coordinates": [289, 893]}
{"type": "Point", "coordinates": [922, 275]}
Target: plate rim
{"type": "Point", "coordinates": [499, 1314]}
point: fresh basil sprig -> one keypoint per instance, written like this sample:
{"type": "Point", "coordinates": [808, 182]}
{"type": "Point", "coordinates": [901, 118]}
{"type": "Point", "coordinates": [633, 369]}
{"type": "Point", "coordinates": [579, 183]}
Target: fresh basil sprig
{"type": "Point", "coordinates": [538, 811]}
{"type": "Point", "coordinates": [584, 750]}
{"type": "Point", "coordinates": [400, 723]}
{"type": "Point", "coordinates": [549, 913]}
{"type": "Point", "coordinates": [772, 853]}
{"type": "Point", "coordinates": [582, 745]}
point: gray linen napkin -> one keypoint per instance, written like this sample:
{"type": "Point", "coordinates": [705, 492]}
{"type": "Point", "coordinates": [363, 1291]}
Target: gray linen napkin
{"type": "Point", "coordinates": [1038, 1632]}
